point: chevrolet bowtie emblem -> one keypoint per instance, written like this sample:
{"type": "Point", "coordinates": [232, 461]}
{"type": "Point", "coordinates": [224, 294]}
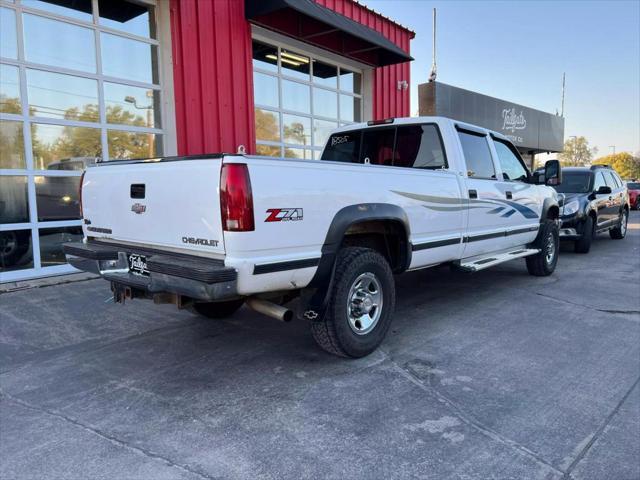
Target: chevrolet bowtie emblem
{"type": "Point", "coordinates": [138, 208]}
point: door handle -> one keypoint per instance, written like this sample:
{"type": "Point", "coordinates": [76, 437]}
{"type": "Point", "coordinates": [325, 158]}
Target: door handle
{"type": "Point", "coordinates": [509, 195]}
{"type": "Point", "coordinates": [473, 194]}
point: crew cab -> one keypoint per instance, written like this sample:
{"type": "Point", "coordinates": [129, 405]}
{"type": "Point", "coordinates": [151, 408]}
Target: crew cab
{"type": "Point", "coordinates": [214, 232]}
{"type": "Point", "coordinates": [595, 201]}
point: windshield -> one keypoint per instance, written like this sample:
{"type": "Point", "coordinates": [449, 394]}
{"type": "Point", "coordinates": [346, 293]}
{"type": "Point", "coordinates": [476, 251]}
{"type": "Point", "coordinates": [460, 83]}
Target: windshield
{"type": "Point", "coordinates": [633, 185]}
{"type": "Point", "coordinates": [574, 182]}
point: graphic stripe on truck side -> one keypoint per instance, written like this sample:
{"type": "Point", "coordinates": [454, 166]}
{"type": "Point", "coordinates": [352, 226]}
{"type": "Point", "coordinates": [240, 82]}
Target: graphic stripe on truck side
{"type": "Point", "coordinates": [288, 265]}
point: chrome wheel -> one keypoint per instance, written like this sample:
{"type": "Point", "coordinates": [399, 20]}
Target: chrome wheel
{"type": "Point", "coordinates": [550, 248]}
{"type": "Point", "coordinates": [623, 223]}
{"type": "Point", "coordinates": [364, 303]}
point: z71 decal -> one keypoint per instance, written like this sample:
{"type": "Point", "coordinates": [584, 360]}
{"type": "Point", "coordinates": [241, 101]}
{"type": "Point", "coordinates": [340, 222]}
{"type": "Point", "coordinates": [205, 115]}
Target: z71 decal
{"type": "Point", "coordinates": [283, 214]}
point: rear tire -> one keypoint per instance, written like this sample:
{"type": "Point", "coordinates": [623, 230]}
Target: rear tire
{"type": "Point", "coordinates": [361, 304]}
{"type": "Point", "coordinates": [544, 263]}
{"type": "Point", "coordinates": [620, 231]}
{"type": "Point", "coordinates": [584, 244]}
{"type": "Point", "coordinates": [218, 309]}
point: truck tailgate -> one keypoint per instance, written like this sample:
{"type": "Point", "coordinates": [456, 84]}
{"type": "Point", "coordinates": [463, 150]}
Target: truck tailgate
{"type": "Point", "coordinates": [172, 204]}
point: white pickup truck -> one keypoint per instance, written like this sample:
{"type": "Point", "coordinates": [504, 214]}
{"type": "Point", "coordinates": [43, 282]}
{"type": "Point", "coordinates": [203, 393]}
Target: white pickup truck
{"type": "Point", "coordinates": [214, 232]}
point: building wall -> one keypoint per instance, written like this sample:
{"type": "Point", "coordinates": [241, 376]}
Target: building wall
{"type": "Point", "coordinates": [213, 76]}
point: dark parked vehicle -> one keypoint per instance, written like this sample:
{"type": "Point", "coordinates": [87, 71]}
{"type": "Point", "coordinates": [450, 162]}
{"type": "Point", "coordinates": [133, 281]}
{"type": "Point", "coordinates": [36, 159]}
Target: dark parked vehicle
{"type": "Point", "coordinates": [634, 194]}
{"type": "Point", "coordinates": [595, 200]}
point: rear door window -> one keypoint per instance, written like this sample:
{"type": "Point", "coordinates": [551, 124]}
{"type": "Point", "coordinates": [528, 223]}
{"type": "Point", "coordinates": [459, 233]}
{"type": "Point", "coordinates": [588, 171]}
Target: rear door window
{"type": "Point", "coordinates": [610, 180]}
{"type": "Point", "coordinates": [477, 155]}
{"type": "Point", "coordinates": [419, 146]}
{"type": "Point", "coordinates": [343, 147]}
{"type": "Point", "coordinates": [377, 146]}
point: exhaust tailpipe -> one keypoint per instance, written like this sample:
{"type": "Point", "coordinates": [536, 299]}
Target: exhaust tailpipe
{"type": "Point", "coordinates": [270, 309]}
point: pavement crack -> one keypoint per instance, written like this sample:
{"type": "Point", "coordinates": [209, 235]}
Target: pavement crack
{"type": "Point", "coordinates": [590, 307]}
{"type": "Point", "coordinates": [110, 438]}
{"type": "Point", "coordinates": [474, 423]}
{"type": "Point", "coordinates": [598, 432]}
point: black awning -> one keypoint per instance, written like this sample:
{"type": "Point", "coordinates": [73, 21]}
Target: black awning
{"type": "Point", "coordinates": [307, 21]}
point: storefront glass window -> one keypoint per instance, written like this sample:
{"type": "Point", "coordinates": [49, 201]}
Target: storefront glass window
{"type": "Point", "coordinates": [91, 92]}
{"type": "Point", "coordinates": [299, 100]}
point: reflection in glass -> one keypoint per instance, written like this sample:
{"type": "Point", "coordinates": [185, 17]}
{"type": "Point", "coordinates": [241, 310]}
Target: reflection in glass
{"type": "Point", "coordinates": [132, 105]}
{"type": "Point", "coordinates": [321, 131]}
{"type": "Point", "coordinates": [57, 198]}
{"type": "Point", "coordinates": [295, 97]}
{"type": "Point", "coordinates": [15, 250]}
{"type": "Point", "coordinates": [51, 240]}
{"type": "Point", "coordinates": [133, 145]}
{"type": "Point", "coordinates": [265, 56]}
{"type": "Point", "coordinates": [62, 96]}
{"type": "Point", "coordinates": [267, 125]}
{"type": "Point", "coordinates": [298, 153]}
{"type": "Point", "coordinates": [297, 129]}
{"type": "Point", "coordinates": [125, 58]}
{"type": "Point", "coordinates": [78, 9]}
{"type": "Point", "coordinates": [267, 150]}
{"type": "Point", "coordinates": [127, 16]}
{"type": "Point", "coordinates": [53, 143]}
{"type": "Point", "coordinates": [265, 90]}
{"type": "Point", "coordinates": [10, 89]}
{"type": "Point", "coordinates": [11, 145]}
{"type": "Point", "coordinates": [349, 108]}
{"type": "Point", "coordinates": [295, 65]}
{"type": "Point", "coordinates": [14, 204]}
{"type": "Point", "coordinates": [325, 103]}
{"type": "Point", "coordinates": [326, 75]}
{"type": "Point", "coordinates": [8, 36]}
{"type": "Point", "coordinates": [52, 42]}
{"type": "Point", "coordinates": [350, 81]}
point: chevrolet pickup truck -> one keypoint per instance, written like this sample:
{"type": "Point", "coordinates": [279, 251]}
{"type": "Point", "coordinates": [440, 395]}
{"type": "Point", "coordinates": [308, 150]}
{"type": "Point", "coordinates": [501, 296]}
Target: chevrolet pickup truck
{"type": "Point", "coordinates": [213, 232]}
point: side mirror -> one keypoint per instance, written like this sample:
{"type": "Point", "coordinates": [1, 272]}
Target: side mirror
{"type": "Point", "coordinates": [603, 190]}
{"type": "Point", "coordinates": [552, 173]}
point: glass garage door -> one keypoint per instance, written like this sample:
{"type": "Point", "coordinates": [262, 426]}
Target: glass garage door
{"type": "Point", "coordinates": [77, 83]}
{"type": "Point", "coordinates": [299, 100]}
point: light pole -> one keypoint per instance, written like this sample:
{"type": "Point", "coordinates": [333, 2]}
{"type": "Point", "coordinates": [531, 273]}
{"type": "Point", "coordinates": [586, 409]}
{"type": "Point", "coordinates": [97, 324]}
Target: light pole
{"type": "Point", "coordinates": [613, 147]}
{"type": "Point", "coordinates": [149, 108]}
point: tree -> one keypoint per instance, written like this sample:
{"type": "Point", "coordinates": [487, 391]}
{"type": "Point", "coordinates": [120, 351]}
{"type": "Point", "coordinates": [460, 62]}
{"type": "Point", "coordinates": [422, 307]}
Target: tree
{"type": "Point", "coordinates": [576, 153]}
{"type": "Point", "coordinates": [627, 165]}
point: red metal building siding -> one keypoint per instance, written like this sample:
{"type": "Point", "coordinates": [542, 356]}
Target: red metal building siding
{"type": "Point", "coordinates": [388, 101]}
{"type": "Point", "coordinates": [213, 79]}
{"type": "Point", "coordinates": [212, 75]}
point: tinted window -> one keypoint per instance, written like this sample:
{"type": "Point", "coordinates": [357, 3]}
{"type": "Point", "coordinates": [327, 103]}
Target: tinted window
{"type": "Point", "coordinates": [599, 182]}
{"type": "Point", "coordinates": [477, 156]}
{"type": "Point", "coordinates": [377, 146]}
{"type": "Point", "coordinates": [512, 168]}
{"type": "Point", "coordinates": [608, 178]}
{"type": "Point", "coordinates": [574, 182]}
{"type": "Point", "coordinates": [616, 179]}
{"type": "Point", "coordinates": [343, 147]}
{"type": "Point", "coordinates": [418, 146]}
{"type": "Point", "coordinates": [633, 186]}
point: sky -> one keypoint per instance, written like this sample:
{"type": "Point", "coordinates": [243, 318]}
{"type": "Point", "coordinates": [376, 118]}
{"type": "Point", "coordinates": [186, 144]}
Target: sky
{"type": "Point", "coordinates": [518, 51]}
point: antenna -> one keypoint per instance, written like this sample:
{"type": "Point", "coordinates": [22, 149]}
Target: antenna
{"type": "Point", "coordinates": [433, 74]}
{"type": "Point", "coordinates": [562, 106]}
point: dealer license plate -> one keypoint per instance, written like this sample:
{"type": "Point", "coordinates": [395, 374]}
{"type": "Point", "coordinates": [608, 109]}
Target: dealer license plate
{"type": "Point", "coordinates": [138, 264]}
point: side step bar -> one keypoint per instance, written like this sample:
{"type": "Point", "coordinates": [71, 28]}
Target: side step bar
{"type": "Point", "coordinates": [491, 260]}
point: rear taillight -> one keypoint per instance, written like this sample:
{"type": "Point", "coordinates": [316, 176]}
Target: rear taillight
{"type": "Point", "coordinates": [236, 200]}
{"type": "Point", "coordinates": [80, 193]}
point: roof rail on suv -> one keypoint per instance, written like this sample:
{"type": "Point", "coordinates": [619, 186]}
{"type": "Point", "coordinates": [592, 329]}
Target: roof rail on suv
{"type": "Point", "coordinates": [593, 167]}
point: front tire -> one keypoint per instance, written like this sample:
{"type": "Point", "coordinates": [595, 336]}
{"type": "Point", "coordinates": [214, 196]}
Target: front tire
{"type": "Point", "coordinates": [544, 263]}
{"type": "Point", "coordinates": [218, 309]}
{"type": "Point", "coordinates": [361, 304]}
{"type": "Point", "coordinates": [620, 231]}
{"type": "Point", "coordinates": [584, 244]}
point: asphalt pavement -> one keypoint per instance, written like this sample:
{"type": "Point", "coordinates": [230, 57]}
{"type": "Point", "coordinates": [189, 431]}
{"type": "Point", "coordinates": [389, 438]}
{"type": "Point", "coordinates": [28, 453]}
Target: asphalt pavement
{"type": "Point", "coordinates": [495, 375]}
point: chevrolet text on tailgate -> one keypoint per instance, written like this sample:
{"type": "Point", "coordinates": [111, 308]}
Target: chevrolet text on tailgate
{"type": "Point", "coordinates": [213, 232]}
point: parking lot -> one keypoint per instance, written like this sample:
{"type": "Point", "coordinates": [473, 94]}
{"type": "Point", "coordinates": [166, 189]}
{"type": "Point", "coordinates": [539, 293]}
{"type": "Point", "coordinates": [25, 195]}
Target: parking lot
{"type": "Point", "coordinates": [492, 375]}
